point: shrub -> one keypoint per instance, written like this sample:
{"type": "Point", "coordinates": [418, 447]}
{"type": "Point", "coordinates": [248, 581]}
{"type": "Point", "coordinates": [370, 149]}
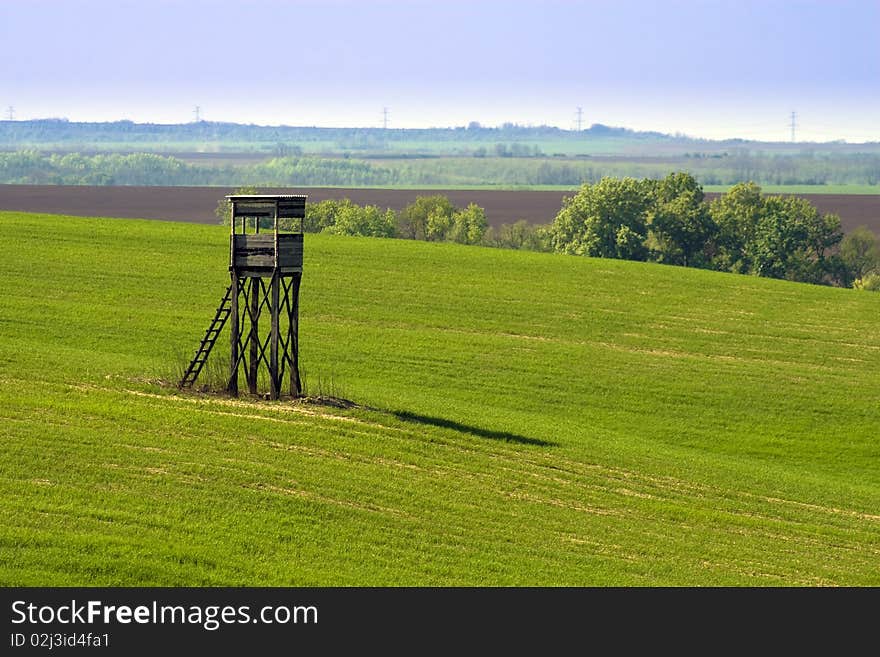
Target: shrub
{"type": "Point", "coordinates": [869, 283]}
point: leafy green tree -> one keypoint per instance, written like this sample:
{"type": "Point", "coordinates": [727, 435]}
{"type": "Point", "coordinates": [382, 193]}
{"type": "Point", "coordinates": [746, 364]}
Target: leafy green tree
{"type": "Point", "coordinates": [792, 239]}
{"type": "Point", "coordinates": [323, 214]}
{"type": "Point", "coordinates": [344, 217]}
{"type": "Point", "coordinates": [681, 228]}
{"type": "Point", "coordinates": [774, 250]}
{"type": "Point", "coordinates": [860, 253]}
{"type": "Point", "coordinates": [736, 215]}
{"type": "Point", "coordinates": [775, 236]}
{"type": "Point", "coordinates": [519, 235]}
{"type": "Point", "coordinates": [438, 224]}
{"type": "Point", "coordinates": [426, 218]}
{"type": "Point", "coordinates": [606, 220]}
{"type": "Point", "coordinates": [468, 225]}
{"type": "Point", "coordinates": [368, 221]}
{"type": "Point", "coordinates": [869, 283]}
{"type": "Point", "coordinates": [823, 234]}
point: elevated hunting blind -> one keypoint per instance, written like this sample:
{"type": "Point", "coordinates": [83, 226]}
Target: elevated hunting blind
{"type": "Point", "coordinates": [265, 268]}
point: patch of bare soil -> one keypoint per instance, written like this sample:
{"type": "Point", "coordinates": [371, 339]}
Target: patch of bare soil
{"type": "Point", "coordinates": [197, 204]}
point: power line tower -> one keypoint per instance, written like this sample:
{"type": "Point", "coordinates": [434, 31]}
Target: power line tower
{"type": "Point", "coordinates": [793, 124]}
{"type": "Point", "coordinates": [10, 113]}
{"type": "Point", "coordinates": [384, 118]}
{"type": "Point", "coordinates": [198, 113]}
{"type": "Point", "coordinates": [580, 117]}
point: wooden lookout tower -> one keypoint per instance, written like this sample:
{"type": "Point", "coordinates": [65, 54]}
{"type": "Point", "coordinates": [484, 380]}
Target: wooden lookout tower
{"type": "Point", "coordinates": [265, 268]}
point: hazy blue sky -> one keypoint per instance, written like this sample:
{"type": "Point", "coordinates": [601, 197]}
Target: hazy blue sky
{"type": "Point", "coordinates": [708, 68]}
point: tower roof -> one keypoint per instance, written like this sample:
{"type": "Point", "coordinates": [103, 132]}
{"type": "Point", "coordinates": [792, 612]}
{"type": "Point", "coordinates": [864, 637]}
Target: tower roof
{"type": "Point", "coordinates": [265, 198]}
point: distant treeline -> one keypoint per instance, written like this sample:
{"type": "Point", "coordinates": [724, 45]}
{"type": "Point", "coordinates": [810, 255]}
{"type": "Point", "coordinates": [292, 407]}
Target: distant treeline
{"type": "Point", "coordinates": [33, 167]}
{"type": "Point", "coordinates": [59, 131]}
{"type": "Point", "coordinates": [516, 166]}
{"type": "Point", "coordinates": [720, 169]}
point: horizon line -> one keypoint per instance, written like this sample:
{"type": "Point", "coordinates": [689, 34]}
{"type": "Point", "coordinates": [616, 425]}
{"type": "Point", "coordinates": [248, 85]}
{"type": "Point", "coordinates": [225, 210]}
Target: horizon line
{"type": "Point", "coordinates": [479, 126]}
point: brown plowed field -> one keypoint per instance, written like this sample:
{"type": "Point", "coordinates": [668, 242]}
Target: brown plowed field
{"type": "Point", "coordinates": [197, 204]}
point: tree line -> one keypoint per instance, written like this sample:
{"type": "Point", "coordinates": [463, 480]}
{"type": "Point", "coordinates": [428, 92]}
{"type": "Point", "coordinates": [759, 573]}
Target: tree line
{"type": "Point", "coordinates": [505, 164]}
{"type": "Point", "coordinates": [55, 131]}
{"type": "Point", "coordinates": [429, 218]}
{"type": "Point", "coordinates": [743, 231]}
{"type": "Point", "coordinates": [35, 168]}
{"type": "Point", "coordinates": [665, 221]}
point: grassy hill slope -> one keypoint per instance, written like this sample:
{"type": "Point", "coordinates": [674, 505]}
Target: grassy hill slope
{"type": "Point", "coordinates": [523, 419]}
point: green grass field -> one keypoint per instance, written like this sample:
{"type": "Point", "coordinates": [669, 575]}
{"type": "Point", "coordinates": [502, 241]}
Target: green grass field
{"type": "Point", "coordinates": [523, 419]}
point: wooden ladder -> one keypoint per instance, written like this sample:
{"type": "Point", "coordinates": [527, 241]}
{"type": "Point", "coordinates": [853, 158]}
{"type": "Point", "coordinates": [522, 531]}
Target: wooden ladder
{"type": "Point", "coordinates": [211, 335]}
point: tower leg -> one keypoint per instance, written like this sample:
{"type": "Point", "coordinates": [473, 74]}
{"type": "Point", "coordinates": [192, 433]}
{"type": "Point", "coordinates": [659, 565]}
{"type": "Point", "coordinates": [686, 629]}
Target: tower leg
{"type": "Point", "coordinates": [254, 336]}
{"type": "Point", "coordinates": [273, 342]}
{"type": "Point", "coordinates": [293, 339]}
{"type": "Point", "coordinates": [232, 386]}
